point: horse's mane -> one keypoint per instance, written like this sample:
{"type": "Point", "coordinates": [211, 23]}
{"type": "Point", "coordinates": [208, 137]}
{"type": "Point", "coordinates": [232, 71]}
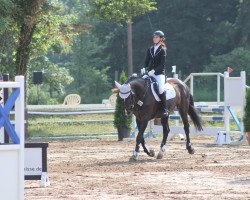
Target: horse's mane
{"type": "Point", "coordinates": [133, 77]}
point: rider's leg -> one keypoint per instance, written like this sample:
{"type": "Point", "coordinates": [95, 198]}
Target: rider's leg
{"type": "Point", "coordinates": [161, 82]}
{"type": "Point", "coordinates": [164, 103]}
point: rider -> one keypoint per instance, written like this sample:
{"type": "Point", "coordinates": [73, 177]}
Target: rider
{"type": "Point", "coordinates": [155, 64]}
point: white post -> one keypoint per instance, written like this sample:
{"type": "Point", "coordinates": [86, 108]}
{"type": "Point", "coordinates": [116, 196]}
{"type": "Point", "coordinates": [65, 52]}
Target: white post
{"type": "Point", "coordinates": [192, 84]}
{"type": "Point", "coordinates": [218, 89]}
{"type": "Point", "coordinates": [19, 128]}
{"type": "Point", "coordinates": [226, 115]}
{"type": "Point", "coordinates": [243, 82]}
{"type": "Point", "coordinates": [1, 129]}
{"type": "Point", "coordinates": [1, 135]}
{"type": "Point", "coordinates": [176, 76]}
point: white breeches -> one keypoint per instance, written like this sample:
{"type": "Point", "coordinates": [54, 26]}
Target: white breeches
{"type": "Point", "coordinates": [161, 82]}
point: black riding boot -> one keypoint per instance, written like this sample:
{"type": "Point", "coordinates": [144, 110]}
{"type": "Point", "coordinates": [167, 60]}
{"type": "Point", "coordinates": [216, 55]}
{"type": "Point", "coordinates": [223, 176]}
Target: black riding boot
{"type": "Point", "coordinates": [164, 103]}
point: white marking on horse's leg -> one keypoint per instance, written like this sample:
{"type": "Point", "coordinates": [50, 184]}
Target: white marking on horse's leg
{"type": "Point", "coordinates": [135, 155]}
{"type": "Point", "coordinates": [146, 147]}
{"type": "Point", "coordinates": [161, 152]}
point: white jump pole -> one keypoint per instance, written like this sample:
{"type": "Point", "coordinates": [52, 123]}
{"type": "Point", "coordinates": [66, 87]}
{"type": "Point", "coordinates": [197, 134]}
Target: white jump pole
{"type": "Point", "coordinates": [218, 89]}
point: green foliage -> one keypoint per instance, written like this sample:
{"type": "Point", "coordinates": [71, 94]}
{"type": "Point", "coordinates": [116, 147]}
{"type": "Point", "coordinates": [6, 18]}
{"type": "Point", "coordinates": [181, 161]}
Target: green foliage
{"type": "Point", "coordinates": [117, 10]}
{"type": "Point", "coordinates": [242, 23]}
{"type": "Point", "coordinates": [120, 120]}
{"type": "Point", "coordinates": [123, 77]}
{"type": "Point", "coordinates": [238, 59]}
{"type": "Point", "coordinates": [37, 94]}
{"type": "Point", "coordinates": [246, 118]}
{"type": "Point", "coordinates": [88, 66]}
{"type": "Point", "coordinates": [55, 79]}
{"type": "Point", "coordinates": [91, 84]}
{"type": "Point", "coordinates": [201, 36]}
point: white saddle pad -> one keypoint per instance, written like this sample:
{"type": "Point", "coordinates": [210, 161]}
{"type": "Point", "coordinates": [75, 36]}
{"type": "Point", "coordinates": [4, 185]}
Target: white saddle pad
{"type": "Point", "coordinates": [169, 89]}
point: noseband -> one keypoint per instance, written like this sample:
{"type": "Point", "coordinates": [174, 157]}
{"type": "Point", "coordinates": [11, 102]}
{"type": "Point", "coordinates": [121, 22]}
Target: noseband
{"type": "Point", "coordinates": [134, 101]}
{"type": "Point", "coordinates": [131, 97]}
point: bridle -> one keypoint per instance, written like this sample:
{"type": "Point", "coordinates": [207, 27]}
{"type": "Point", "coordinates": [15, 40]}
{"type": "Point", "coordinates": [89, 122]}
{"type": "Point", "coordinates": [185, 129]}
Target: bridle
{"type": "Point", "coordinates": [133, 100]}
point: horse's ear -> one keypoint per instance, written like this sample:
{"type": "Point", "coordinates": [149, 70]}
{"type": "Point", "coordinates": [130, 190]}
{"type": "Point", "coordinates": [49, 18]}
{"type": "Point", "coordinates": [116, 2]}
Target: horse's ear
{"type": "Point", "coordinates": [118, 85]}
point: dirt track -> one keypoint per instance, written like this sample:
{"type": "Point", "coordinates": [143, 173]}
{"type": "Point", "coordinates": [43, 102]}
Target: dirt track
{"type": "Point", "coordinates": [101, 169]}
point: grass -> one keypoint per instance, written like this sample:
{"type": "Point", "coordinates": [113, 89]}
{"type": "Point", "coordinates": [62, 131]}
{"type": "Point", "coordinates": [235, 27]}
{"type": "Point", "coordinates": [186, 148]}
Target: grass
{"type": "Point", "coordinates": [41, 118]}
{"type": "Point", "coordinates": [70, 129]}
{"type": "Point", "coordinates": [40, 125]}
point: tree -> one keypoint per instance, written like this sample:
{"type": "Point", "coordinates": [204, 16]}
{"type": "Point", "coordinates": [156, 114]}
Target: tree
{"type": "Point", "coordinates": [194, 31]}
{"type": "Point", "coordinates": [93, 85]}
{"type": "Point", "coordinates": [8, 34]}
{"type": "Point", "coordinates": [123, 11]}
{"type": "Point", "coordinates": [243, 23]}
{"type": "Point", "coordinates": [246, 118]}
{"type": "Point", "coordinates": [42, 24]}
{"type": "Point", "coordinates": [238, 59]}
{"type": "Point", "coordinates": [121, 121]}
{"type": "Point", "coordinates": [27, 20]}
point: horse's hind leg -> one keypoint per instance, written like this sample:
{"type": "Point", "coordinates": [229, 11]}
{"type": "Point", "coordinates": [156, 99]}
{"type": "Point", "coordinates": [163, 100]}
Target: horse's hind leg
{"type": "Point", "coordinates": [166, 130]}
{"type": "Point", "coordinates": [142, 125]}
{"type": "Point", "coordinates": [186, 129]}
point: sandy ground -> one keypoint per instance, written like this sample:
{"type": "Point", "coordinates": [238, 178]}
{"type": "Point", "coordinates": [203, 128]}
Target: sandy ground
{"type": "Point", "coordinates": [100, 169]}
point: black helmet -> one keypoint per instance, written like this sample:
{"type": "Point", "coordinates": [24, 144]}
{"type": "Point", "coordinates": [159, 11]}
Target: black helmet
{"type": "Point", "coordinates": [158, 33]}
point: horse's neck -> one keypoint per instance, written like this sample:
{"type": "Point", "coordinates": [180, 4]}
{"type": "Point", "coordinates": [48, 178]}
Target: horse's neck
{"type": "Point", "coordinates": [138, 86]}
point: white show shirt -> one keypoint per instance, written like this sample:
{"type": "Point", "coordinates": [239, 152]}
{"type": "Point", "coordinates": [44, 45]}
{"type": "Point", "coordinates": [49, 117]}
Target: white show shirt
{"type": "Point", "coordinates": [156, 47]}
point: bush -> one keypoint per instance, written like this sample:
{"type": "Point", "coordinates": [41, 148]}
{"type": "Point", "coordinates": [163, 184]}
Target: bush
{"type": "Point", "coordinates": [246, 118]}
{"type": "Point", "coordinates": [120, 120]}
{"type": "Point", "coordinates": [41, 96]}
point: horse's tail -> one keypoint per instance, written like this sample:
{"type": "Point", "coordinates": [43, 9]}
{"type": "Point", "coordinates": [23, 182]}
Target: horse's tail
{"type": "Point", "coordinates": [194, 115]}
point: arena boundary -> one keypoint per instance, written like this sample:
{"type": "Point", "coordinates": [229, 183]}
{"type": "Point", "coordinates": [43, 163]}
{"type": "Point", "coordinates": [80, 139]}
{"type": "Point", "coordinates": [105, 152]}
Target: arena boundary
{"type": "Point", "coordinates": [234, 95]}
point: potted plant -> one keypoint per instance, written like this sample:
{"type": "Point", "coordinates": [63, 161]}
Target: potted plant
{"type": "Point", "coordinates": [122, 122]}
{"type": "Point", "coordinates": [246, 118]}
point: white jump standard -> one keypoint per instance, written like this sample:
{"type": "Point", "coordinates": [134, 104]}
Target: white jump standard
{"type": "Point", "coordinates": [12, 155]}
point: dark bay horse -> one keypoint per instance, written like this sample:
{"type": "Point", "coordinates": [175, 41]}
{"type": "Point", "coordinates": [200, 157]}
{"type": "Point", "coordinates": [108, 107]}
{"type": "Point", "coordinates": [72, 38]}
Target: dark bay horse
{"type": "Point", "coordinates": [138, 98]}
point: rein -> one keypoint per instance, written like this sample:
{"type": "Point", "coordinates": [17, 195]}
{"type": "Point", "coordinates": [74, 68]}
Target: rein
{"type": "Point", "coordinates": [133, 99]}
{"type": "Point", "coordinates": [140, 102]}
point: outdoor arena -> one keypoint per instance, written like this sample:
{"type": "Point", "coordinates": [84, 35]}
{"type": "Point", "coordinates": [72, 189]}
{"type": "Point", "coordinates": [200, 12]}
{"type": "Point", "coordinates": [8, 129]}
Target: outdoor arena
{"type": "Point", "coordinates": [100, 169]}
{"type": "Point", "coordinates": [97, 166]}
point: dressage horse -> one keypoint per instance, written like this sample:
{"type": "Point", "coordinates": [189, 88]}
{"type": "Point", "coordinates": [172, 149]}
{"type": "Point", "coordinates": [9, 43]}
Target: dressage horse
{"type": "Point", "coordinates": [138, 99]}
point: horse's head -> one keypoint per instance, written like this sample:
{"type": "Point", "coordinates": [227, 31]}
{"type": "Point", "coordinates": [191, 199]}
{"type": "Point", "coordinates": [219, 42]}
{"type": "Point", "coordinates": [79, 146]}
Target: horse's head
{"type": "Point", "coordinates": [126, 93]}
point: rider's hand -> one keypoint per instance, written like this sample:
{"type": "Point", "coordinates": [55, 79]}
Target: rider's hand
{"type": "Point", "coordinates": [151, 73]}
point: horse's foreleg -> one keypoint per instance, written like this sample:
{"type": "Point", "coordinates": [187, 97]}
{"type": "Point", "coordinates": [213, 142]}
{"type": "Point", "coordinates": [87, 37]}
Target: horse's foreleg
{"type": "Point", "coordinates": [166, 130]}
{"type": "Point", "coordinates": [141, 127]}
{"type": "Point", "coordinates": [147, 150]}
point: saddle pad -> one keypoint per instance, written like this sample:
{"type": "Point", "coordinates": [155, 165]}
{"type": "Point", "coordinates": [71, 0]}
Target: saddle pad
{"type": "Point", "coordinates": [169, 89]}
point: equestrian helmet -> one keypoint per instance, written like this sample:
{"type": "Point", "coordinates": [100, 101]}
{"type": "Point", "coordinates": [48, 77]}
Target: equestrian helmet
{"type": "Point", "coordinates": [159, 33]}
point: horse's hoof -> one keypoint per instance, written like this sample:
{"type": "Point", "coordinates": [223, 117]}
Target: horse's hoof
{"type": "Point", "coordinates": [133, 159]}
{"type": "Point", "coordinates": [159, 156]}
{"type": "Point", "coordinates": [191, 151]}
{"type": "Point", "coordinates": [152, 153]}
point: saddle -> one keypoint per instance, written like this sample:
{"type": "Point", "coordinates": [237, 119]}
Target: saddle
{"type": "Point", "coordinates": [152, 83]}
